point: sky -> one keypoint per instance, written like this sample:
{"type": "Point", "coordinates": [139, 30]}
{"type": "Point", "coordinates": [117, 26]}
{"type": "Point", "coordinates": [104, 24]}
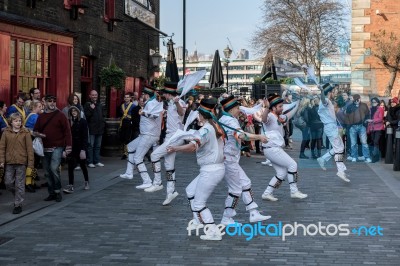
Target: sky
{"type": "Point", "coordinates": [210, 22]}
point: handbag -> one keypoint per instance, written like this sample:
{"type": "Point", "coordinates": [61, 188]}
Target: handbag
{"type": "Point", "coordinates": [299, 122]}
{"type": "Point", "coordinates": [38, 146]}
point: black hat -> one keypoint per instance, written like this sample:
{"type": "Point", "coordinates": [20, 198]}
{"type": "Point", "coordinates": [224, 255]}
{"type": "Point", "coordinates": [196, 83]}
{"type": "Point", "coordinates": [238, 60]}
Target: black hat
{"type": "Point", "coordinates": [208, 104]}
{"type": "Point", "coordinates": [327, 87]}
{"type": "Point", "coordinates": [50, 97]}
{"type": "Point", "coordinates": [274, 100]}
{"type": "Point", "coordinates": [170, 87]}
{"type": "Point", "coordinates": [229, 103]}
{"type": "Point", "coordinates": [149, 90]}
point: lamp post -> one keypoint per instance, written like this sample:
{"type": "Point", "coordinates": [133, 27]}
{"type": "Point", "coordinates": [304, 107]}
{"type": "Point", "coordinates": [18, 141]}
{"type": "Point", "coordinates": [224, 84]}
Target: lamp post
{"type": "Point", "coordinates": [155, 60]}
{"type": "Point", "coordinates": [227, 54]}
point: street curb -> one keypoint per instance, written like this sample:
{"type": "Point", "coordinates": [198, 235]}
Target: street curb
{"type": "Point", "coordinates": [108, 180]}
{"type": "Point", "coordinates": [387, 177]}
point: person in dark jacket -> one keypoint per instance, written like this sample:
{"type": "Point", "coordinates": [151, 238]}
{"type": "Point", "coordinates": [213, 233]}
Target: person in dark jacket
{"type": "Point", "coordinates": [136, 112]}
{"type": "Point", "coordinates": [79, 131]}
{"type": "Point", "coordinates": [96, 123]}
{"type": "Point", "coordinates": [305, 129]}
{"type": "Point", "coordinates": [316, 128]}
{"type": "Point", "coordinates": [393, 114]}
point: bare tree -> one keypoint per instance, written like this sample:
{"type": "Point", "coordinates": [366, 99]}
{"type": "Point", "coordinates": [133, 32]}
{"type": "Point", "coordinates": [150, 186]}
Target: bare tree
{"type": "Point", "coordinates": [303, 32]}
{"type": "Point", "coordinates": [387, 50]}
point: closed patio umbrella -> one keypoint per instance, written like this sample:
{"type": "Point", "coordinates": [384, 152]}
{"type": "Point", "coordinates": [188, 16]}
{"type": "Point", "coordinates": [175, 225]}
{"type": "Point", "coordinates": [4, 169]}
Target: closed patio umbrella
{"type": "Point", "coordinates": [171, 70]}
{"type": "Point", "coordinates": [216, 77]}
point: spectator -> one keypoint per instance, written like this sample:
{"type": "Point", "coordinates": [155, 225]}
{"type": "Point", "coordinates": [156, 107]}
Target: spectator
{"type": "Point", "coordinates": [73, 100]}
{"type": "Point", "coordinates": [34, 94]}
{"type": "Point", "coordinates": [125, 126]}
{"type": "Point", "coordinates": [16, 153]}
{"type": "Point", "coordinates": [376, 127]}
{"type": "Point", "coordinates": [257, 121]}
{"type": "Point", "coordinates": [393, 115]}
{"type": "Point", "coordinates": [18, 106]}
{"type": "Point", "coordinates": [135, 98]}
{"type": "Point", "coordinates": [316, 128]}
{"type": "Point", "coordinates": [356, 115]}
{"type": "Point", "coordinates": [79, 132]}
{"type": "Point", "coordinates": [189, 104]}
{"type": "Point", "coordinates": [31, 173]}
{"type": "Point", "coordinates": [54, 125]}
{"type": "Point", "coordinates": [35, 109]}
{"type": "Point", "coordinates": [3, 120]}
{"type": "Point", "coordinates": [303, 113]}
{"type": "Point", "coordinates": [94, 115]}
{"type": "Point", "coordinates": [136, 113]}
{"type": "Point", "coordinates": [385, 108]}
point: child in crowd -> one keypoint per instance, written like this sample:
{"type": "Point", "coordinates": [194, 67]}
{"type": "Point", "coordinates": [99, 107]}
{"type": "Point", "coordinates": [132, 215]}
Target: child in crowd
{"type": "Point", "coordinates": [16, 154]}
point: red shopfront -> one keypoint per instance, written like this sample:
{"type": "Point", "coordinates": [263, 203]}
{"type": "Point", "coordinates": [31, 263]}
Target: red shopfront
{"type": "Point", "coordinates": [32, 56]}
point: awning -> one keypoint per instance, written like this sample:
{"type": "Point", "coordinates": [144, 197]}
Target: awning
{"type": "Point", "coordinates": [35, 24]}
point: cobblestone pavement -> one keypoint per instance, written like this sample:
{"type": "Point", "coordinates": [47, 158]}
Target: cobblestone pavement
{"type": "Point", "coordinates": [116, 224]}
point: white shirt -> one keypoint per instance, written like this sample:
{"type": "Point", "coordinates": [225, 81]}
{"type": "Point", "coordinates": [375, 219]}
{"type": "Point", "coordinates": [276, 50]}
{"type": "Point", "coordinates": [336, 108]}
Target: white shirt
{"type": "Point", "coordinates": [232, 146]}
{"type": "Point", "coordinates": [150, 124]}
{"type": "Point", "coordinates": [211, 149]}
{"type": "Point", "coordinates": [273, 124]}
{"type": "Point", "coordinates": [327, 113]}
{"type": "Point", "coordinates": [174, 120]}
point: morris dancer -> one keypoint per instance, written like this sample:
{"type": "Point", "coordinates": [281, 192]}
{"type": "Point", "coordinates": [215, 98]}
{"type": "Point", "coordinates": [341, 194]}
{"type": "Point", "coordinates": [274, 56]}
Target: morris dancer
{"type": "Point", "coordinates": [238, 181]}
{"type": "Point", "coordinates": [327, 115]}
{"type": "Point", "coordinates": [175, 112]}
{"type": "Point", "coordinates": [150, 130]}
{"type": "Point", "coordinates": [208, 144]}
{"type": "Point", "coordinates": [283, 164]}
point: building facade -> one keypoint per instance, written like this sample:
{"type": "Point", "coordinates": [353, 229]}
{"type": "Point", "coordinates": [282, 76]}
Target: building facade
{"type": "Point", "coordinates": [369, 76]}
{"type": "Point", "coordinates": [242, 73]}
{"type": "Point", "coordinates": [61, 46]}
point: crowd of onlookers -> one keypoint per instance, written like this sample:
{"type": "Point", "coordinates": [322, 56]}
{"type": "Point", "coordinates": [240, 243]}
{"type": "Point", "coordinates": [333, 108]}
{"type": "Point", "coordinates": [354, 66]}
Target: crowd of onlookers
{"type": "Point", "coordinates": [361, 124]}
{"type": "Point", "coordinates": [35, 133]}
{"type": "Point", "coordinates": [74, 134]}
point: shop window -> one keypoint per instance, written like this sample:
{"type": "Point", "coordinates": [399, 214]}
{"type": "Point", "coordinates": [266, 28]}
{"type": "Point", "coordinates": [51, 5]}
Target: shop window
{"type": "Point", "coordinates": [86, 67]}
{"type": "Point", "coordinates": [29, 63]}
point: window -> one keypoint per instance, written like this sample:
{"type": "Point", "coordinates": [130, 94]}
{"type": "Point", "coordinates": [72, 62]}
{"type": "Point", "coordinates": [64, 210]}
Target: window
{"type": "Point", "coordinates": [29, 64]}
{"type": "Point", "coordinates": [109, 10]}
{"type": "Point", "coordinates": [86, 67]}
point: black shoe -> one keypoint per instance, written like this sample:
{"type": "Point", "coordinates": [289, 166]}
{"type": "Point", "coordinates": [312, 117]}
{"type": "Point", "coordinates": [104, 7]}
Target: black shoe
{"type": "Point", "coordinates": [17, 210]}
{"type": "Point", "coordinates": [303, 156]}
{"type": "Point", "coordinates": [30, 189]}
{"type": "Point", "coordinates": [45, 184]}
{"type": "Point", "coordinates": [36, 186]}
{"type": "Point", "coordinates": [50, 197]}
{"type": "Point", "coordinates": [58, 197]}
{"type": "Point", "coordinates": [37, 178]}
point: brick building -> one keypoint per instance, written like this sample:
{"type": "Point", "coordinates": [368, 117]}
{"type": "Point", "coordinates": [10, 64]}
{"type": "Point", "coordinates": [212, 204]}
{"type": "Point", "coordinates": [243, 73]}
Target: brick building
{"type": "Point", "coordinates": [60, 46]}
{"type": "Point", "coordinates": [369, 76]}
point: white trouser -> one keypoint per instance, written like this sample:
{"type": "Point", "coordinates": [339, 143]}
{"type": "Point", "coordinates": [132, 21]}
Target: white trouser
{"type": "Point", "coordinates": [200, 189]}
{"type": "Point", "coordinates": [284, 166]}
{"type": "Point", "coordinates": [137, 149]}
{"type": "Point", "coordinates": [238, 184]}
{"type": "Point", "coordinates": [331, 131]}
{"type": "Point", "coordinates": [169, 163]}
